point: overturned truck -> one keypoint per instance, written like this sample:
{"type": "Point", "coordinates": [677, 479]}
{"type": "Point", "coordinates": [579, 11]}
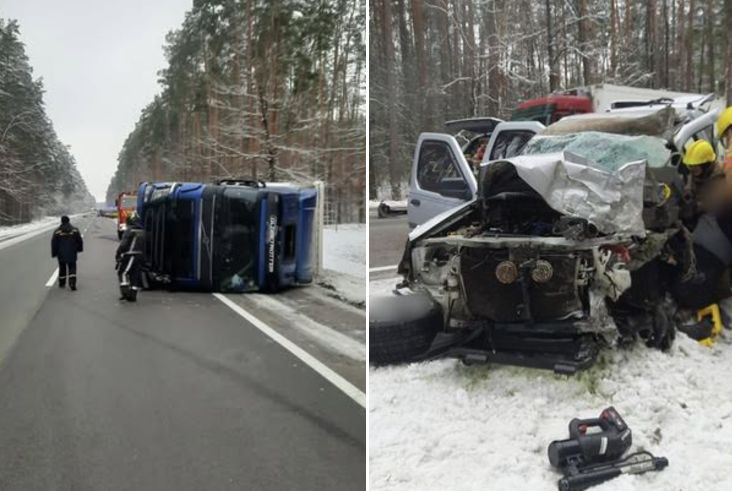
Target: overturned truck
{"type": "Point", "coordinates": [232, 236]}
{"type": "Point", "coordinates": [573, 245]}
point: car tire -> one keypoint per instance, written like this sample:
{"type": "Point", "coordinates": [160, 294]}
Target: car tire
{"type": "Point", "coordinates": [402, 328]}
{"type": "Point", "coordinates": [383, 210]}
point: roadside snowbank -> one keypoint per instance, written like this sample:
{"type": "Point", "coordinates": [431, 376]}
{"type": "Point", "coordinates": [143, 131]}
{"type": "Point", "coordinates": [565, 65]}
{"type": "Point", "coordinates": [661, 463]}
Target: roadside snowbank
{"type": "Point", "coordinates": [25, 228]}
{"type": "Point", "coordinates": [344, 262]}
{"type": "Point", "coordinates": [442, 425]}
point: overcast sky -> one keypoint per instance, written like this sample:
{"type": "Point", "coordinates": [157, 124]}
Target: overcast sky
{"type": "Point", "coordinates": [99, 61]}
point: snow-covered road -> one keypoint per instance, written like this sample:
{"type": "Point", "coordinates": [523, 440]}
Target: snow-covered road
{"type": "Point", "coordinates": [442, 425]}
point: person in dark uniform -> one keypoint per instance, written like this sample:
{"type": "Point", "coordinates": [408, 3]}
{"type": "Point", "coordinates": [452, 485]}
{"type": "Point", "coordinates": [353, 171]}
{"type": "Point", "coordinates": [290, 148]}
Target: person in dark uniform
{"type": "Point", "coordinates": [65, 245]}
{"type": "Point", "coordinates": [129, 258]}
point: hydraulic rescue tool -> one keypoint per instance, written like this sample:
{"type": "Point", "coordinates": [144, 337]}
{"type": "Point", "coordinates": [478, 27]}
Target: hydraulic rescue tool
{"type": "Point", "coordinates": [593, 452]}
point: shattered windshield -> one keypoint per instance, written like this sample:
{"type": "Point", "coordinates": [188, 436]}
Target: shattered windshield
{"type": "Point", "coordinates": [609, 151]}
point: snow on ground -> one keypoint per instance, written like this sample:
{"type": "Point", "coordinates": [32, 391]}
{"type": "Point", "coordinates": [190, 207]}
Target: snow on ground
{"type": "Point", "coordinates": [15, 234]}
{"type": "Point", "coordinates": [344, 261]}
{"type": "Point", "coordinates": [391, 202]}
{"type": "Point", "coordinates": [344, 248]}
{"type": "Point", "coordinates": [25, 228]}
{"type": "Point", "coordinates": [443, 425]}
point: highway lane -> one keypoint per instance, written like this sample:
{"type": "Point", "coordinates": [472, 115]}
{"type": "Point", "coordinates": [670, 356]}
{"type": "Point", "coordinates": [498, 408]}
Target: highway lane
{"type": "Point", "coordinates": [25, 267]}
{"type": "Point", "coordinates": [387, 237]}
{"type": "Point", "coordinates": [174, 392]}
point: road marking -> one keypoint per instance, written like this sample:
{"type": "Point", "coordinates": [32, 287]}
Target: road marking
{"type": "Point", "coordinates": [349, 389]}
{"type": "Point", "coordinates": [329, 338]}
{"type": "Point", "coordinates": [52, 279]}
{"type": "Point", "coordinates": [382, 268]}
{"type": "Point", "coordinates": [87, 227]}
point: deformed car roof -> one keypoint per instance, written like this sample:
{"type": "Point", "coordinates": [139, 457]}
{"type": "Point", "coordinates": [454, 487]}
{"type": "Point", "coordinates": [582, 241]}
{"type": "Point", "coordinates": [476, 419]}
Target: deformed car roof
{"type": "Point", "coordinates": [652, 122]}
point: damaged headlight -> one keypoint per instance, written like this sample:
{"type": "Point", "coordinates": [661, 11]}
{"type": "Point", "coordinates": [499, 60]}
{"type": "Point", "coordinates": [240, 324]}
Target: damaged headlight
{"type": "Point", "coordinates": [542, 271]}
{"type": "Point", "coordinates": [506, 272]}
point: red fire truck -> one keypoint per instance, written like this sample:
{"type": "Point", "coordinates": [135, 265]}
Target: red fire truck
{"type": "Point", "coordinates": [126, 204]}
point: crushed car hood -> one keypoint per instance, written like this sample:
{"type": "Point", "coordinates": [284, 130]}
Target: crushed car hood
{"type": "Point", "coordinates": [612, 200]}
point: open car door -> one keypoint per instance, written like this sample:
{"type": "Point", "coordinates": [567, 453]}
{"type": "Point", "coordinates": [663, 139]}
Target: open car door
{"type": "Point", "coordinates": [509, 139]}
{"type": "Point", "coordinates": [441, 178]}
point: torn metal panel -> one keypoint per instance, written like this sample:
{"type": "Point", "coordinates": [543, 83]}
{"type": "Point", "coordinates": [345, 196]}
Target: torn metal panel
{"type": "Point", "coordinates": [610, 200]}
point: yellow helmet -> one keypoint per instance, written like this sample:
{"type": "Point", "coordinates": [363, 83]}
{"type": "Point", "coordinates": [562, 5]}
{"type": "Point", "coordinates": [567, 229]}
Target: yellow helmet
{"type": "Point", "coordinates": [698, 153]}
{"type": "Point", "coordinates": [724, 121]}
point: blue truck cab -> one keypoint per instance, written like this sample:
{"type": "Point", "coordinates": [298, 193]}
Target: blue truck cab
{"type": "Point", "coordinates": [232, 236]}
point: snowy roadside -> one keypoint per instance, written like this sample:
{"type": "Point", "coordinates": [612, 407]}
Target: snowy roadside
{"type": "Point", "coordinates": [344, 262]}
{"type": "Point", "coordinates": [34, 226]}
{"type": "Point", "coordinates": [25, 228]}
{"type": "Point", "coordinates": [436, 424]}
{"type": "Point", "coordinates": [14, 234]}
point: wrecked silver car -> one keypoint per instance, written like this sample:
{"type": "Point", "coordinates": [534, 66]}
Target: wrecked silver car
{"type": "Point", "coordinates": [565, 249]}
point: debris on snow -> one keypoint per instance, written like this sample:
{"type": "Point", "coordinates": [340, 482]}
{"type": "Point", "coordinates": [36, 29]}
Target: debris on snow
{"type": "Point", "coordinates": [442, 425]}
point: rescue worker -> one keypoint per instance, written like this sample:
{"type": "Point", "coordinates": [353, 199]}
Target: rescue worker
{"type": "Point", "coordinates": [724, 133]}
{"type": "Point", "coordinates": [66, 243]}
{"type": "Point", "coordinates": [129, 258]}
{"type": "Point", "coordinates": [706, 189]}
{"type": "Point", "coordinates": [710, 218]}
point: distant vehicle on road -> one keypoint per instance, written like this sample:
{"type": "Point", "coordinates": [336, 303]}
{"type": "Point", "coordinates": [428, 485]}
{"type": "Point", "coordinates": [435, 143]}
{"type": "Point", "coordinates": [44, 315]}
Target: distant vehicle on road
{"type": "Point", "coordinates": [235, 235]}
{"type": "Point", "coordinates": [126, 203]}
{"type": "Point", "coordinates": [108, 212]}
{"type": "Point", "coordinates": [388, 208]}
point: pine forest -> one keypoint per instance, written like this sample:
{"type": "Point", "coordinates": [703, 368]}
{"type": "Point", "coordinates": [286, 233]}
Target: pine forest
{"type": "Point", "coordinates": [436, 60]}
{"type": "Point", "coordinates": [257, 89]}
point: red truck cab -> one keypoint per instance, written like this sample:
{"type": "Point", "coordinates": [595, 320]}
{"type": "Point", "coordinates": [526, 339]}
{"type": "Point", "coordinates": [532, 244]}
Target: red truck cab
{"type": "Point", "coordinates": [126, 204]}
{"type": "Point", "coordinates": [552, 108]}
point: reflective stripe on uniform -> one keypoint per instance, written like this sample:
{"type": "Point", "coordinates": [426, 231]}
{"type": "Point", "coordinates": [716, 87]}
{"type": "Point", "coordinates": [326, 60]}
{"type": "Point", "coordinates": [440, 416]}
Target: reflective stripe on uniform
{"type": "Point", "coordinates": [129, 265]}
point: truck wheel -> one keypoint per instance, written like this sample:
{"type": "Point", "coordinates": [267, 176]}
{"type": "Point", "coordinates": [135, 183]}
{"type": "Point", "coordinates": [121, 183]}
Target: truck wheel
{"type": "Point", "coordinates": [402, 328]}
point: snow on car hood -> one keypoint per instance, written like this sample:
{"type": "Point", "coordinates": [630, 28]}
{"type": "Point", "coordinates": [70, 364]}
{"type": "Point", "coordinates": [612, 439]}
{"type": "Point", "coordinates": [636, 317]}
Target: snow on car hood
{"type": "Point", "coordinates": [612, 200]}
